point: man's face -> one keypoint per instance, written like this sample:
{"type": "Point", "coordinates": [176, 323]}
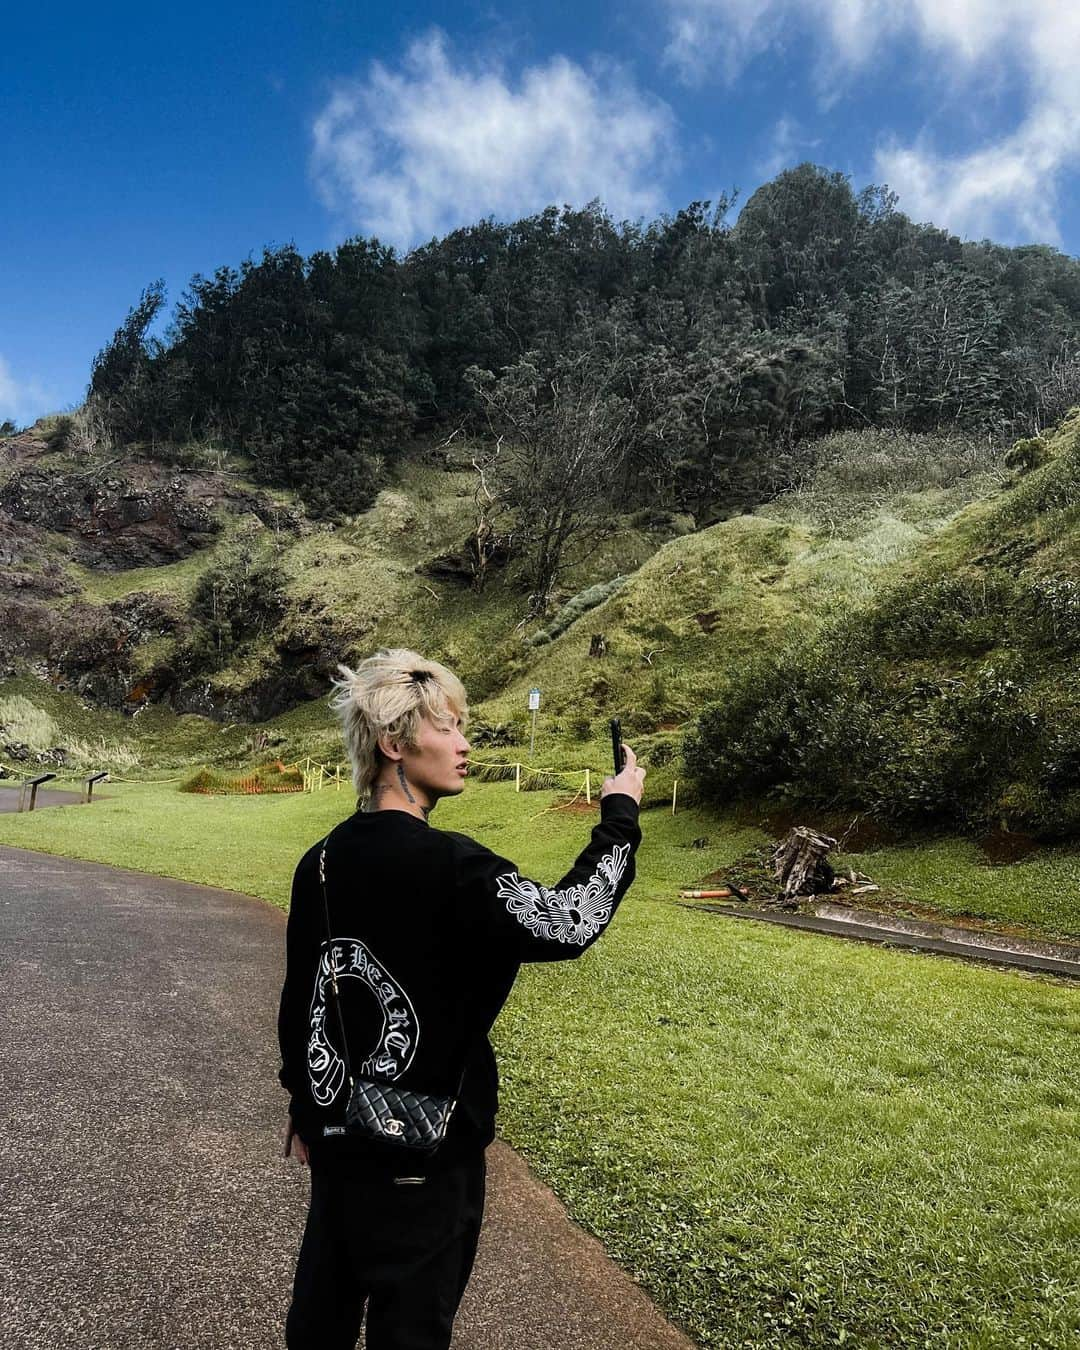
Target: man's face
{"type": "Point", "coordinates": [437, 765]}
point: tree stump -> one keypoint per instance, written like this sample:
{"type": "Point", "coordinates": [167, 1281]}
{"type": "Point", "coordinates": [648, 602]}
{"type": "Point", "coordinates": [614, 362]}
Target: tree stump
{"type": "Point", "coordinates": [598, 646]}
{"type": "Point", "coordinates": [801, 862]}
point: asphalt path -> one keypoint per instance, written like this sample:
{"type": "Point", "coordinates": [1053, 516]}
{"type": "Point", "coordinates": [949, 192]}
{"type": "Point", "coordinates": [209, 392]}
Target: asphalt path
{"type": "Point", "coordinates": [9, 798]}
{"type": "Point", "coordinates": [145, 1199]}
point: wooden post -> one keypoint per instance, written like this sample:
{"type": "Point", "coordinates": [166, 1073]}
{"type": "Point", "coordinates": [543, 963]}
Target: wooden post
{"type": "Point", "coordinates": [517, 777]}
{"type": "Point", "coordinates": [588, 788]}
{"type": "Point", "coordinates": [674, 794]}
{"type": "Point", "coordinates": [337, 778]}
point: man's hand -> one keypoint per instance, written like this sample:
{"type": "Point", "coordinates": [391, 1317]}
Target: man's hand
{"type": "Point", "coordinates": [629, 781]}
{"type": "Point", "coordinates": [295, 1145]}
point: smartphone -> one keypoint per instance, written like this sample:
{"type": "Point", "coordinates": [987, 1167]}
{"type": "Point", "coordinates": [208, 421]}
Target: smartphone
{"type": "Point", "coordinates": [616, 745]}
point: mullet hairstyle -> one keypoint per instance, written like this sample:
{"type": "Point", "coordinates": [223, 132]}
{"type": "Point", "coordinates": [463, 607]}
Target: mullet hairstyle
{"type": "Point", "coordinates": [390, 694]}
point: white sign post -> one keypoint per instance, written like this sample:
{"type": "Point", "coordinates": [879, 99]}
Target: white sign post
{"type": "Point", "coordinates": [534, 704]}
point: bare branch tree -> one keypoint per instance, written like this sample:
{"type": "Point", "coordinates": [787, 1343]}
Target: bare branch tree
{"type": "Point", "coordinates": [563, 438]}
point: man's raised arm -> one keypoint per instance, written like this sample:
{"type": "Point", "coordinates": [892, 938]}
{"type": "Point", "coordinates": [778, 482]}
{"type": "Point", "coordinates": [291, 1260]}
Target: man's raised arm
{"type": "Point", "coordinates": [529, 921]}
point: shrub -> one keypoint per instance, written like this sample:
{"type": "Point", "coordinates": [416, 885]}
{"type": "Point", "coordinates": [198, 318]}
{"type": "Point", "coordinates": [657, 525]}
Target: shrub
{"type": "Point", "coordinates": [61, 432]}
{"type": "Point", "coordinates": [945, 613]}
{"type": "Point", "coordinates": [491, 734]}
{"type": "Point", "coordinates": [101, 754]}
{"type": "Point", "coordinates": [491, 773]}
{"type": "Point", "coordinates": [1025, 454]}
{"type": "Point", "coordinates": [880, 460]}
{"type": "Point", "coordinates": [273, 777]}
{"type": "Point", "coordinates": [836, 723]}
{"type": "Point", "coordinates": [580, 727]}
{"type": "Point", "coordinates": [233, 603]}
{"type": "Point", "coordinates": [1054, 607]}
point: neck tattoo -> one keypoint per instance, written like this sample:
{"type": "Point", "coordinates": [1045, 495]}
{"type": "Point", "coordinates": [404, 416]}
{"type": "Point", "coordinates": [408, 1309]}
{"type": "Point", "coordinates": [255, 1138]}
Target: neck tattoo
{"type": "Point", "coordinates": [404, 783]}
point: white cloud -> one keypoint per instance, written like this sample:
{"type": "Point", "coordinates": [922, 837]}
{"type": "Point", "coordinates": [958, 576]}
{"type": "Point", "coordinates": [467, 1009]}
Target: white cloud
{"type": "Point", "coordinates": [1007, 185]}
{"type": "Point", "coordinates": [1004, 190]}
{"type": "Point", "coordinates": [408, 153]}
{"type": "Point", "coordinates": [22, 401]}
{"type": "Point", "coordinates": [788, 145]}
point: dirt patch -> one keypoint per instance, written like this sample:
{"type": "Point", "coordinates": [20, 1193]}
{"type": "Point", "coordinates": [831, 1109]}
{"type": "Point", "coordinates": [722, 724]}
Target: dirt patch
{"type": "Point", "coordinates": [853, 833]}
{"type": "Point", "coordinates": [579, 806]}
{"type": "Point", "coordinates": [1002, 847]}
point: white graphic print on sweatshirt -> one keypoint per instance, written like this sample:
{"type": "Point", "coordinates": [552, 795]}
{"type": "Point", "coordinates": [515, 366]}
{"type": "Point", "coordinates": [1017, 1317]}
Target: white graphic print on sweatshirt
{"type": "Point", "coordinates": [396, 1044]}
{"type": "Point", "coordinates": [573, 915]}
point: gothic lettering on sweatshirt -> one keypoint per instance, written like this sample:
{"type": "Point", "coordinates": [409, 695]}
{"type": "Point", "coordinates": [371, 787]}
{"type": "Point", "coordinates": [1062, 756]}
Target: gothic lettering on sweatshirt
{"type": "Point", "coordinates": [396, 1043]}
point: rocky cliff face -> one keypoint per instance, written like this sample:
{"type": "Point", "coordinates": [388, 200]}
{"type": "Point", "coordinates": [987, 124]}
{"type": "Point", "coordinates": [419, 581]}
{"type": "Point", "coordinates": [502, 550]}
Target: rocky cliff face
{"type": "Point", "coordinates": [113, 522]}
{"type": "Point", "coordinates": [110, 517]}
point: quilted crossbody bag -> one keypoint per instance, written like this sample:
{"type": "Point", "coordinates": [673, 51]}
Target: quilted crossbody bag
{"type": "Point", "coordinates": [378, 1109]}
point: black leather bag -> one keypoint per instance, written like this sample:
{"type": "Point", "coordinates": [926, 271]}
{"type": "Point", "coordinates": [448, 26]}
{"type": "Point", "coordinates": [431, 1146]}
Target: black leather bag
{"type": "Point", "coordinates": [381, 1110]}
{"type": "Point", "coordinates": [398, 1116]}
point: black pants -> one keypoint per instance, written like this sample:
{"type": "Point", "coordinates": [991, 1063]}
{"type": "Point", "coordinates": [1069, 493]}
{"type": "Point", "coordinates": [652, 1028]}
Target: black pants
{"type": "Point", "coordinates": [404, 1250]}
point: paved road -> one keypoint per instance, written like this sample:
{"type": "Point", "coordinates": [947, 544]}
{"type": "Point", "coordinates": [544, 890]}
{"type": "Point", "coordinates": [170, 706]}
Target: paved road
{"type": "Point", "coordinates": [145, 1202]}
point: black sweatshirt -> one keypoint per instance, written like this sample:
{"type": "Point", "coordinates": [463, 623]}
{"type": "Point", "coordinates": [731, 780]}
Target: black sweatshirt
{"type": "Point", "coordinates": [429, 929]}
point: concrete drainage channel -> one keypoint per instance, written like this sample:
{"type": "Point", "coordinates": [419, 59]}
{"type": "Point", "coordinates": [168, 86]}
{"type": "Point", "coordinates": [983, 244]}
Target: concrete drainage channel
{"type": "Point", "coordinates": [861, 925]}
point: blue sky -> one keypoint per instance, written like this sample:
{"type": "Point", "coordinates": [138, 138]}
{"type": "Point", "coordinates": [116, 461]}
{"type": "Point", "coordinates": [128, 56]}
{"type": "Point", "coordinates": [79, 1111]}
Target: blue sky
{"type": "Point", "coordinates": [141, 141]}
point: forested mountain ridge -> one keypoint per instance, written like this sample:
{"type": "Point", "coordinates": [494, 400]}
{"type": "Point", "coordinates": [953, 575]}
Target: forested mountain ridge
{"type": "Point", "coordinates": [679, 364]}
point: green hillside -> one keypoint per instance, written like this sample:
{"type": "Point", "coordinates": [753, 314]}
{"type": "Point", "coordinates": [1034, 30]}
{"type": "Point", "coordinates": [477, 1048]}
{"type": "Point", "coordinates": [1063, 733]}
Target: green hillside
{"type": "Point", "coordinates": [702, 605]}
{"type": "Point", "coordinates": [255, 620]}
{"type": "Point", "coordinates": [951, 697]}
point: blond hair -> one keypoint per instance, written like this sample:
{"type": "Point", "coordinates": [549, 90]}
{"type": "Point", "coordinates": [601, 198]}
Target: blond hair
{"type": "Point", "coordinates": [390, 694]}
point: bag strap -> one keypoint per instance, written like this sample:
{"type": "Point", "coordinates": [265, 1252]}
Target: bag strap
{"type": "Point", "coordinates": [334, 983]}
{"type": "Point", "coordinates": [330, 962]}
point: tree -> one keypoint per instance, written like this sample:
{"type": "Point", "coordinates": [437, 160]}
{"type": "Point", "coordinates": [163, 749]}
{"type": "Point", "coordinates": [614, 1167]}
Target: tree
{"type": "Point", "coordinates": [795, 240]}
{"type": "Point", "coordinates": [566, 436]}
{"type": "Point", "coordinates": [935, 351]}
{"type": "Point", "coordinates": [122, 374]}
{"type": "Point", "coordinates": [713, 421]}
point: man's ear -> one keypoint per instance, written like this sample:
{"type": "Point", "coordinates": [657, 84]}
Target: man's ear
{"type": "Point", "coordinates": [390, 748]}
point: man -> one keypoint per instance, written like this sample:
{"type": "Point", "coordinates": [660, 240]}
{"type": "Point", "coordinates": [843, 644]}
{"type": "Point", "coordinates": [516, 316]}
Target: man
{"type": "Point", "coordinates": [429, 929]}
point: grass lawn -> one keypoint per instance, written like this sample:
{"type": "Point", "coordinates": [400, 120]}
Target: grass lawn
{"type": "Point", "coordinates": [952, 875]}
{"type": "Point", "coordinates": [787, 1139]}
